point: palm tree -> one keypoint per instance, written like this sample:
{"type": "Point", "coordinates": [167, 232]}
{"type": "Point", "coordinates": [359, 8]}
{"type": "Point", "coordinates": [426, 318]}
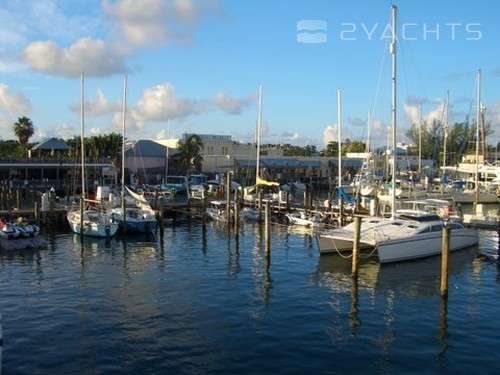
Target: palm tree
{"type": "Point", "coordinates": [24, 130]}
{"type": "Point", "coordinates": [189, 153]}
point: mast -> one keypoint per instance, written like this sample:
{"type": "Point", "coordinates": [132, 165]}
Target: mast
{"type": "Point", "coordinates": [82, 151]}
{"type": "Point", "coordinates": [82, 137]}
{"type": "Point", "coordinates": [259, 124]}
{"type": "Point", "coordinates": [478, 121]}
{"type": "Point", "coordinates": [339, 125]}
{"type": "Point", "coordinates": [445, 134]}
{"type": "Point", "coordinates": [123, 152]}
{"type": "Point", "coordinates": [393, 151]}
{"type": "Point", "coordinates": [420, 141]}
{"type": "Point", "coordinates": [167, 152]}
{"type": "Point", "coordinates": [368, 146]}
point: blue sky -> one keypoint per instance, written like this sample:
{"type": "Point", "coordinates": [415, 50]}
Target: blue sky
{"type": "Point", "coordinates": [196, 66]}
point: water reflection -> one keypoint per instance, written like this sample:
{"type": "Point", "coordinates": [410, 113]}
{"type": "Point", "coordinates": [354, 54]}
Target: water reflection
{"type": "Point", "coordinates": [415, 278]}
{"type": "Point", "coordinates": [391, 285]}
{"type": "Point", "coordinates": [443, 333]}
{"type": "Point", "coordinates": [262, 264]}
{"type": "Point", "coordinates": [233, 256]}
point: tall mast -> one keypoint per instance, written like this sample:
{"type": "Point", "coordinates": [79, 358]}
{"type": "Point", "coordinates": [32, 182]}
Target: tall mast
{"type": "Point", "coordinates": [478, 122]}
{"type": "Point", "coordinates": [167, 151]}
{"type": "Point", "coordinates": [445, 131]}
{"type": "Point", "coordinates": [369, 120]}
{"type": "Point", "coordinates": [124, 212]}
{"type": "Point", "coordinates": [339, 126]}
{"type": "Point", "coordinates": [123, 132]}
{"type": "Point", "coordinates": [420, 141]}
{"type": "Point", "coordinates": [82, 136]}
{"type": "Point", "coordinates": [82, 151]}
{"type": "Point", "coordinates": [259, 125]}
{"type": "Point", "coordinates": [393, 52]}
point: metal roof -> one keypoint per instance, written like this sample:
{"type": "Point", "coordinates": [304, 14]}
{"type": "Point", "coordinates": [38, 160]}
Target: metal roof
{"type": "Point", "coordinates": [148, 148]}
{"type": "Point", "coordinates": [52, 144]}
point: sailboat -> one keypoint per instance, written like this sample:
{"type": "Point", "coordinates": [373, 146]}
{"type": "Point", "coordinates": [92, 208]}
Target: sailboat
{"type": "Point", "coordinates": [88, 219]}
{"type": "Point", "coordinates": [480, 215]}
{"type": "Point", "coordinates": [409, 235]}
{"type": "Point", "coordinates": [270, 189]}
{"type": "Point", "coordinates": [134, 213]}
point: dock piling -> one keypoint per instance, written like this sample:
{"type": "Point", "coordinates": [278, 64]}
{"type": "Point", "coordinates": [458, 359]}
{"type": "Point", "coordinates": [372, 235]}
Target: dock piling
{"type": "Point", "coordinates": [445, 251]}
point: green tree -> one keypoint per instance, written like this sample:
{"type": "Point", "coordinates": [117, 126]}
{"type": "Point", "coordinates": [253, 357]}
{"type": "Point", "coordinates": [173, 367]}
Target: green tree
{"type": "Point", "coordinates": [353, 146]}
{"type": "Point", "coordinates": [189, 153]}
{"type": "Point", "coordinates": [461, 139]}
{"type": "Point", "coordinates": [98, 146]}
{"type": "Point", "coordinates": [10, 148]}
{"type": "Point", "coordinates": [332, 149]}
{"type": "Point", "coordinates": [24, 130]}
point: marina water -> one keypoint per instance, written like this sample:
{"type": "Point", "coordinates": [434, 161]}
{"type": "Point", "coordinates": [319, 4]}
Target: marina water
{"type": "Point", "coordinates": [194, 300]}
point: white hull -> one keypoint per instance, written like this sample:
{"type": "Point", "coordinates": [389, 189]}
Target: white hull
{"type": "Point", "coordinates": [95, 224]}
{"type": "Point", "coordinates": [397, 240]}
{"type": "Point", "coordinates": [332, 244]}
{"type": "Point", "coordinates": [424, 245]}
{"type": "Point", "coordinates": [300, 218]}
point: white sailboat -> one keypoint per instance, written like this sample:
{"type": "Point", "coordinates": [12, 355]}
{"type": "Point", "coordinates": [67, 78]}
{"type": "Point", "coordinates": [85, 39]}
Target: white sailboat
{"type": "Point", "coordinates": [480, 215]}
{"type": "Point", "coordinates": [133, 213]}
{"type": "Point", "coordinates": [88, 219]}
{"type": "Point", "coordinates": [410, 236]}
{"type": "Point", "coordinates": [270, 189]}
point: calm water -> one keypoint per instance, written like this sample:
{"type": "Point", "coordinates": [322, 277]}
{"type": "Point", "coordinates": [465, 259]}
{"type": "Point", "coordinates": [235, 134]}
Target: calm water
{"type": "Point", "coordinates": [195, 302]}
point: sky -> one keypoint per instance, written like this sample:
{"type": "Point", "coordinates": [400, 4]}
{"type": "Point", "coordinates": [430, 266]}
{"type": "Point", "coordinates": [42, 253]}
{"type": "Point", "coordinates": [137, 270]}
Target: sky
{"type": "Point", "coordinates": [195, 66]}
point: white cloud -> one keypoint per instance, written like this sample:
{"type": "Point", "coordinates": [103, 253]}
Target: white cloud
{"type": "Point", "coordinates": [412, 110]}
{"type": "Point", "coordinates": [100, 52]}
{"type": "Point", "coordinates": [94, 57]}
{"type": "Point", "coordinates": [160, 104]}
{"type": "Point", "coordinates": [231, 105]}
{"type": "Point", "coordinates": [101, 105]}
{"type": "Point", "coordinates": [13, 103]}
{"type": "Point", "coordinates": [65, 131]}
{"type": "Point", "coordinates": [21, 21]}
{"type": "Point", "coordinates": [150, 22]}
{"type": "Point", "coordinates": [330, 134]}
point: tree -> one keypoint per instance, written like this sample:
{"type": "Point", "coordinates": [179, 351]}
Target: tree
{"type": "Point", "coordinates": [99, 146]}
{"type": "Point", "coordinates": [10, 148]}
{"type": "Point", "coordinates": [332, 149]}
{"type": "Point", "coordinates": [353, 146]}
{"type": "Point", "coordinates": [24, 130]}
{"type": "Point", "coordinates": [461, 138]}
{"type": "Point", "coordinates": [189, 153]}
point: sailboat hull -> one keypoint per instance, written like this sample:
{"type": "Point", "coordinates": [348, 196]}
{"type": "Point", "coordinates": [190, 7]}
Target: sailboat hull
{"type": "Point", "coordinates": [424, 245]}
{"type": "Point", "coordinates": [95, 224]}
{"type": "Point", "coordinates": [137, 220]}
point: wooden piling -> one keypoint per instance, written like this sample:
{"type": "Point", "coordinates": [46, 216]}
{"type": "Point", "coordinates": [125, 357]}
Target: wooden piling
{"type": "Point", "coordinates": [236, 214]}
{"type": "Point", "coordinates": [161, 213]}
{"type": "Point", "coordinates": [445, 251]}
{"type": "Point", "coordinates": [228, 197]}
{"type": "Point", "coordinates": [355, 248]}
{"type": "Point", "coordinates": [204, 206]}
{"type": "Point", "coordinates": [267, 230]}
{"type": "Point", "coordinates": [18, 199]}
{"type": "Point", "coordinates": [37, 214]}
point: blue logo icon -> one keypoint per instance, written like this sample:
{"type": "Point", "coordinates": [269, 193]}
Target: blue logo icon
{"type": "Point", "coordinates": [311, 31]}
